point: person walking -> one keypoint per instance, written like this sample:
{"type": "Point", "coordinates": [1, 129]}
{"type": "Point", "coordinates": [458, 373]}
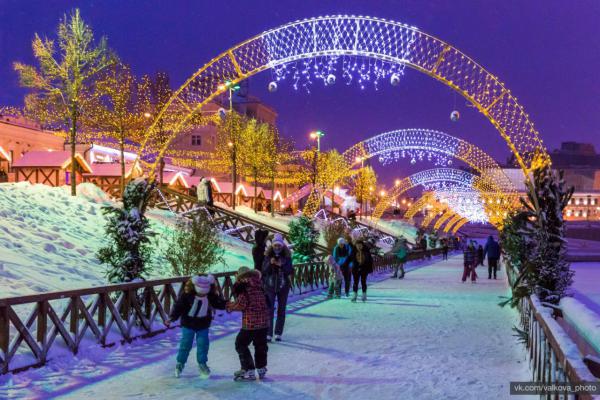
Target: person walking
{"type": "Point", "coordinates": [209, 192]}
{"type": "Point", "coordinates": [202, 193]}
{"type": "Point", "coordinates": [400, 252]}
{"type": "Point", "coordinates": [250, 300]}
{"type": "Point", "coordinates": [259, 248]}
{"type": "Point", "coordinates": [195, 308]}
{"type": "Point", "coordinates": [480, 254]}
{"type": "Point", "coordinates": [277, 270]}
{"type": "Point", "coordinates": [492, 250]}
{"type": "Point", "coordinates": [444, 248]}
{"type": "Point", "coordinates": [342, 254]}
{"type": "Point", "coordinates": [469, 262]}
{"type": "Point", "coordinates": [335, 278]}
{"type": "Point", "coordinates": [362, 268]}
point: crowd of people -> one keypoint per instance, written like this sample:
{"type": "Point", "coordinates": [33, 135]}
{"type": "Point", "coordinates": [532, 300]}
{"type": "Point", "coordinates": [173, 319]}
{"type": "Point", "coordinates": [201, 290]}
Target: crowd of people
{"type": "Point", "coordinates": [474, 255]}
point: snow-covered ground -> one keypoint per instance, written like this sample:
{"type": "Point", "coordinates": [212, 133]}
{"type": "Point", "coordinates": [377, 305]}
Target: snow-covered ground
{"type": "Point", "coordinates": [428, 336]}
{"type": "Point", "coordinates": [586, 285]}
{"type": "Point", "coordinates": [48, 239]}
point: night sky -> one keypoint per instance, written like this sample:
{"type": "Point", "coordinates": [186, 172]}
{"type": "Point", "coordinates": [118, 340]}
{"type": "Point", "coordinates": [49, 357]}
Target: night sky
{"type": "Point", "coordinates": [547, 52]}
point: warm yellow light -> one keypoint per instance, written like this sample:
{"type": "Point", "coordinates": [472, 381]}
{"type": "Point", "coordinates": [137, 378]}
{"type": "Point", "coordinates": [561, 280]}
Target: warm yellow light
{"type": "Point", "coordinates": [359, 159]}
{"type": "Point", "coordinates": [147, 114]}
{"type": "Point", "coordinates": [222, 87]}
{"type": "Point", "coordinates": [370, 188]}
{"type": "Point", "coordinates": [397, 182]}
{"type": "Point", "coordinates": [409, 204]}
{"type": "Point", "coordinates": [403, 201]}
{"type": "Point", "coordinates": [313, 135]}
{"type": "Point", "coordinates": [382, 193]}
{"type": "Point", "coordinates": [336, 189]}
{"type": "Point", "coordinates": [230, 144]}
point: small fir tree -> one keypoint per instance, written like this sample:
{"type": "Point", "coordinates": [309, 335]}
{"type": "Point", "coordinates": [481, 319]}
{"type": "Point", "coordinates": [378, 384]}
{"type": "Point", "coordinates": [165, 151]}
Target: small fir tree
{"type": "Point", "coordinates": [128, 231]}
{"type": "Point", "coordinates": [303, 237]}
{"type": "Point", "coordinates": [194, 246]}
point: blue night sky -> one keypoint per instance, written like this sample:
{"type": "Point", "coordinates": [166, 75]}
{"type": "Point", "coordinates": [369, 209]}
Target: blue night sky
{"type": "Point", "coordinates": [547, 52]}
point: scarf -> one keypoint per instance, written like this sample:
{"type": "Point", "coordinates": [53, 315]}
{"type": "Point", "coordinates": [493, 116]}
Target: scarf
{"type": "Point", "coordinates": [200, 307]}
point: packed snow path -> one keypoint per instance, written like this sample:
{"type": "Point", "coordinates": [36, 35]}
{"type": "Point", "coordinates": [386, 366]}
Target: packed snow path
{"type": "Point", "coordinates": [428, 336]}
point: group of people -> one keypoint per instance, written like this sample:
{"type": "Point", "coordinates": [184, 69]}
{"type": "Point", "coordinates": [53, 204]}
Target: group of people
{"type": "Point", "coordinates": [474, 255]}
{"type": "Point", "coordinates": [349, 261]}
{"type": "Point", "coordinates": [255, 293]}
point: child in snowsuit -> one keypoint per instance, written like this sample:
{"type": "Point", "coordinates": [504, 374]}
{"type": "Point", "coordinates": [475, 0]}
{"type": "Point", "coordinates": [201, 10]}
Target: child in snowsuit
{"type": "Point", "coordinates": [195, 308]}
{"type": "Point", "coordinates": [250, 300]}
{"type": "Point", "coordinates": [335, 278]}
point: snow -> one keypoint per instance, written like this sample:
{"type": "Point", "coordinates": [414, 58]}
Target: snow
{"type": "Point", "coordinates": [48, 239]}
{"type": "Point", "coordinates": [428, 336]}
{"type": "Point", "coordinates": [397, 228]}
{"type": "Point", "coordinates": [583, 319]}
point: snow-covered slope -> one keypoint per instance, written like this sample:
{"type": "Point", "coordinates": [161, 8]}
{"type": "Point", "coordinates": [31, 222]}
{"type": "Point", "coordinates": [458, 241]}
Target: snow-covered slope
{"type": "Point", "coordinates": [48, 239]}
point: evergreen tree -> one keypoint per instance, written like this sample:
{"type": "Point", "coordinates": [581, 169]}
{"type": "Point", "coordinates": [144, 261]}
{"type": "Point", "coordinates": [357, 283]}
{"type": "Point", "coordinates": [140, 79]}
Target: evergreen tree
{"type": "Point", "coordinates": [194, 247]}
{"type": "Point", "coordinates": [303, 236]}
{"type": "Point", "coordinates": [128, 231]}
{"type": "Point", "coordinates": [332, 231]}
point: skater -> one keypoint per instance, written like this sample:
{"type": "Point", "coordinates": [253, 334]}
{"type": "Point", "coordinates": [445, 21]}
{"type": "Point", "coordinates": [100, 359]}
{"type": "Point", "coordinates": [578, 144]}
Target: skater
{"type": "Point", "coordinates": [250, 300]}
{"type": "Point", "coordinates": [277, 270]}
{"type": "Point", "coordinates": [195, 308]}
{"type": "Point", "coordinates": [469, 262]}
{"type": "Point", "coordinates": [480, 255]}
{"type": "Point", "coordinates": [258, 250]}
{"type": "Point", "coordinates": [342, 254]}
{"type": "Point", "coordinates": [362, 267]}
{"type": "Point", "coordinates": [492, 249]}
{"type": "Point", "coordinates": [335, 278]}
{"type": "Point", "coordinates": [400, 252]}
{"type": "Point", "coordinates": [444, 249]}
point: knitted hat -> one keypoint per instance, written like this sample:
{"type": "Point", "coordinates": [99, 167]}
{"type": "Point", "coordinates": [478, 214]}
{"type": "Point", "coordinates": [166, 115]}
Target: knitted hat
{"type": "Point", "coordinates": [341, 241]}
{"type": "Point", "coordinates": [202, 283]}
{"type": "Point", "coordinates": [278, 239]}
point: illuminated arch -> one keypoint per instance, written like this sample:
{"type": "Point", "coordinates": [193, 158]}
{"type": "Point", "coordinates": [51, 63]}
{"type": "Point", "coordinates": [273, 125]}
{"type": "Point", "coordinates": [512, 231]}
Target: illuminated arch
{"type": "Point", "coordinates": [459, 225]}
{"type": "Point", "coordinates": [351, 37]}
{"type": "Point", "coordinates": [432, 213]}
{"type": "Point", "coordinates": [425, 199]}
{"type": "Point", "coordinates": [445, 217]}
{"type": "Point", "coordinates": [452, 222]}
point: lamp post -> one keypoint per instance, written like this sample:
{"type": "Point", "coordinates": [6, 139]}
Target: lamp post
{"type": "Point", "coordinates": [231, 87]}
{"type": "Point", "coordinates": [316, 135]}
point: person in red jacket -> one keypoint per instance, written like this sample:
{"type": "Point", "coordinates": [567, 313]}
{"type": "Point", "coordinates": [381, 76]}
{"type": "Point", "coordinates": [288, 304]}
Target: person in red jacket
{"type": "Point", "coordinates": [250, 300]}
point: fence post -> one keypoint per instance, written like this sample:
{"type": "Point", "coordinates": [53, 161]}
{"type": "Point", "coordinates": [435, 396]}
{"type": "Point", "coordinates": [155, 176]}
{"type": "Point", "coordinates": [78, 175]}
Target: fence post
{"type": "Point", "coordinates": [42, 323]}
{"type": "Point", "coordinates": [74, 322]}
{"type": "Point", "coordinates": [4, 337]}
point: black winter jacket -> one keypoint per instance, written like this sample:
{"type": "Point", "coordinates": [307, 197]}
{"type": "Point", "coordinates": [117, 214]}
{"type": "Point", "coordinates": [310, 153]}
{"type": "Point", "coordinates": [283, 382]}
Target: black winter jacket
{"type": "Point", "coordinates": [277, 278]}
{"type": "Point", "coordinates": [203, 314]}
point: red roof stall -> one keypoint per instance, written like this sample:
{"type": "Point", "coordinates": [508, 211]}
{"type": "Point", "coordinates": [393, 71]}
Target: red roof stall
{"type": "Point", "coordinates": [49, 167]}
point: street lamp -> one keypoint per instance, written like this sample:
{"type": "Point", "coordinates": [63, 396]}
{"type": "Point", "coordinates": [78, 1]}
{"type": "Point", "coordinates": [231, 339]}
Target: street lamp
{"type": "Point", "coordinates": [317, 135]}
{"type": "Point", "coordinates": [361, 160]}
{"type": "Point", "coordinates": [232, 87]}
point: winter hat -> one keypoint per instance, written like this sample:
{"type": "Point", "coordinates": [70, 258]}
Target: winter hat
{"type": "Point", "coordinates": [243, 270]}
{"type": "Point", "coordinates": [341, 241]}
{"type": "Point", "coordinates": [202, 283]}
{"type": "Point", "coordinates": [278, 239]}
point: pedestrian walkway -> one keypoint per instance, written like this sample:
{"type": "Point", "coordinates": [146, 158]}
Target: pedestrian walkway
{"type": "Point", "coordinates": [428, 336]}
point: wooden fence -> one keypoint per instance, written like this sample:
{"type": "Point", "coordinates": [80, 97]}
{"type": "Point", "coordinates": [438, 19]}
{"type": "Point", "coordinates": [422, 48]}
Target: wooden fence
{"type": "Point", "coordinates": [548, 358]}
{"type": "Point", "coordinates": [112, 314]}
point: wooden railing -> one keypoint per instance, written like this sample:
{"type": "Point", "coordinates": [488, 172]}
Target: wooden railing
{"type": "Point", "coordinates": [107, 315]}
{"type": "Point", "coordinates": [546, 347]}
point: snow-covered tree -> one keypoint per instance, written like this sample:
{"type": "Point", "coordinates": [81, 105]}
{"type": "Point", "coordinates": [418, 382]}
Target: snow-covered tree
{"type": "Point", "coordinates": [303, 236]}
{"type": "Point", "coordinates": [128, 232]}
{"type": "Point", "coordinates": [332, 231]}
{"type": "Point", "coordinates": [194, 247]}
{"type": "Point", "coordinates": [543, 269]}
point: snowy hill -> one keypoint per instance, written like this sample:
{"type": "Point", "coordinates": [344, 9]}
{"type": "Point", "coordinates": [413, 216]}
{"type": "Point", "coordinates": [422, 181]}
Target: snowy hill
{"type": "Point", "coordinates": [48, 239]}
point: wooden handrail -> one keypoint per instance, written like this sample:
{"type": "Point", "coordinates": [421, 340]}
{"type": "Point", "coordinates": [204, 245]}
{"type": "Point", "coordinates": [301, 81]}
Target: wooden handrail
{"type": "Point", "coordinates": [548, 359]}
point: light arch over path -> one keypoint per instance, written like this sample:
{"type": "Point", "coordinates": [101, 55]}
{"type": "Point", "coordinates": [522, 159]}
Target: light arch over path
{"type": "Point", "coordinates": [351, 36]}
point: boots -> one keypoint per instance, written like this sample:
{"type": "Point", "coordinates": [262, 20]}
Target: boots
{"type": "Point", "coordinates": [364, 296]}
{"type": "Point", "coordinates": [178, 370]}
{"type": "Point", "coordinates": [354, 296]}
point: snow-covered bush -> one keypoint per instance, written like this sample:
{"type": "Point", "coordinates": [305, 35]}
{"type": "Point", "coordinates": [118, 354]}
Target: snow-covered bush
{"type": "Point", "coordinates": [536, 236]}
{"type": "Point", "coordinates": [127, 229]}
{"type": "Point", "coordinates": [194, 246]}
{"type": "Point", "coordinates": [303, 236]}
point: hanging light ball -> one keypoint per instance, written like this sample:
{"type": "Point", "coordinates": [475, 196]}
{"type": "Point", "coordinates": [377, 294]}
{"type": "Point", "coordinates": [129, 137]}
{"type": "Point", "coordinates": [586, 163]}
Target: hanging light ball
{"type": "Point", "coordinates": [272, 86]}
{"type": "Point", "coordinates": [395, 80]}
{"type": "Point", "coordinates": [330, 79]}
{"type": "Point", "coordinates": [454, 116]}
{"type": "Point", "coordinates": [413, 161]}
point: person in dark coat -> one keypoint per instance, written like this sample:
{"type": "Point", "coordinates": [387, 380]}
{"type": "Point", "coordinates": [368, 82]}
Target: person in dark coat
{"type": "Point", "coordinates": [258, 250]}
{"type": "Point", "coordinates": [492, 250]}
{"type": "Point", "coordinates": [277, 270]}
{"type": "Point", "coordinates": [469, 262]}
{"type": "Point", "coordinates": [342, 254]}
{"type": "Point", "coordinates": [444, 248]}
{"type": "Point", "coordinates": [480, 255]}
{"type": "Point", "coordinates": [363, 266]}
{"type": "Point", "coordinates": [250, 300]}
{"type": "Point", "coordinates": [194, 306]}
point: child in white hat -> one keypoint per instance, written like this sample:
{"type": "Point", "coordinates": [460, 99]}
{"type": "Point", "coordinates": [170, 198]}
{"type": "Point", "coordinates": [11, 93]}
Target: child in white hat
{"type": "Point", "coordinates": [195, 308]}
